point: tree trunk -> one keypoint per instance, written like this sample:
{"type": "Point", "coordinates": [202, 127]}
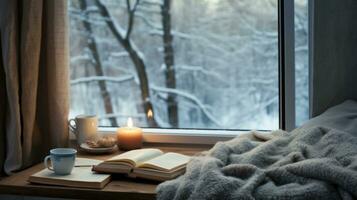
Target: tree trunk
{"type": "Point", "coordinates": [170, 77]}
{"type": "Point", "coordinates": [92, 44]}
{"type": "Point", "coordinates": [136, 59]}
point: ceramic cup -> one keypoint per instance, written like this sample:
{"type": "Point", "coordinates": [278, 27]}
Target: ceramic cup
{"type": "Point", "coordinates": [84, 127]}
{"type": "Point", "coordinates": [62, 160]}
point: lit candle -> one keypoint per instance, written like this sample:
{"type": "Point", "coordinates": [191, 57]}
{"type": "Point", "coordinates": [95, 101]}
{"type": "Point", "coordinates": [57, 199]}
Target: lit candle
{"type": "Point", "coordinates": [130, 137]}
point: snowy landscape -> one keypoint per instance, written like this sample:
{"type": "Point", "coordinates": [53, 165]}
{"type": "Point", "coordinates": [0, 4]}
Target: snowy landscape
{"type": "Point", "coordinates": [203, 64]}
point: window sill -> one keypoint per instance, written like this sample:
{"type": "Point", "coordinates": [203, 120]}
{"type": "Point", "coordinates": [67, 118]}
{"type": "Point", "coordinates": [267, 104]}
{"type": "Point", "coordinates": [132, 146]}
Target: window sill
{"type": "Point", "coordinates": [182, 136]}
{"type": "Point", "coordinates": [118, 188]}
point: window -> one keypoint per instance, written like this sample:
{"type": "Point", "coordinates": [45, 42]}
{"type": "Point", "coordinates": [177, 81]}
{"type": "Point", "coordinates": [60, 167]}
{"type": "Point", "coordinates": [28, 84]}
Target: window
{"type": "Point", "coordinates": [301, 61]}
{"type": "Point", "coordinates": [197, 64]}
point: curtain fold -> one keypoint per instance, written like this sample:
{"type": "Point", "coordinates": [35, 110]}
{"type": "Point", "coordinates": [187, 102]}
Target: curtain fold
{"type": "Point", "coordinates": [2, 112]}
{"type": "Point", "coordinates": [34, 106]}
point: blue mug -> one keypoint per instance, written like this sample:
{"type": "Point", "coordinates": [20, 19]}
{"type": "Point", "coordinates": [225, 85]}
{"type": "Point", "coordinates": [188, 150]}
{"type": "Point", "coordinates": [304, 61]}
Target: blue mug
{"type": "Point", "coordinates": [62, 160]}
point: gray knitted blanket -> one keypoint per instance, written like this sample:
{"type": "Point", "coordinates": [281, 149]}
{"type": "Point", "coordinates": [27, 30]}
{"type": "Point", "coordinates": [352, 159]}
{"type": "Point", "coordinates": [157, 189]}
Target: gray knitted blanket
{"type": "Point", "coordinates": [308, 163]}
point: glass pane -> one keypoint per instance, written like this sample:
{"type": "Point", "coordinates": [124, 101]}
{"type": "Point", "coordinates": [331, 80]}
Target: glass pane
{"type": "Point", "coordinates": [206, 64]}
{"type": "Point", "coordinates": [301, 61]}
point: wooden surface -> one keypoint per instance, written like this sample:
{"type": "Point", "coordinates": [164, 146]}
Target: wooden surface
{"type": "Point", "coordinates": [119, 188]}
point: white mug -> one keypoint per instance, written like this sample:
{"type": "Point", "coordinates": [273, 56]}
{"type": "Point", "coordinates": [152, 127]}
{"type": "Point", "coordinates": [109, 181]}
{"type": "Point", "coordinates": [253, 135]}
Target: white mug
{"type": "Point", "coordinates": [84, 127]}
{"type": "Point", "coordinates": [62, 160]}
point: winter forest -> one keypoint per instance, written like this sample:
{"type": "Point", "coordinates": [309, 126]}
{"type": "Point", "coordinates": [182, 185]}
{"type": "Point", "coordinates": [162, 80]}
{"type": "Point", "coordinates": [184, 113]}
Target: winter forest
{"type": "Point", "coordinates": [206, 64]}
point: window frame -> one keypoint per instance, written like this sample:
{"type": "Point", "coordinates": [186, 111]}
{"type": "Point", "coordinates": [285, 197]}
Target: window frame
{"type": "Point", "coordinates": [286, 45]}
{"type": "Point", "coordinates": [286, 16]}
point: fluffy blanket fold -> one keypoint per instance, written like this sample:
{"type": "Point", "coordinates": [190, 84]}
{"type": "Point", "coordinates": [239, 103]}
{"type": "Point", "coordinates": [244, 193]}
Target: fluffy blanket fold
{"type": "Point", "coordinates": [312, 163]}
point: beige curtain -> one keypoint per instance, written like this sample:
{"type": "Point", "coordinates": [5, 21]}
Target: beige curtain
{"type": "Point", "coordinates": [33, 80]}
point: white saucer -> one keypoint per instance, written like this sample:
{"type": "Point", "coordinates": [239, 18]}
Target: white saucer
{"type": "Point", "coordinates": [88, 149]}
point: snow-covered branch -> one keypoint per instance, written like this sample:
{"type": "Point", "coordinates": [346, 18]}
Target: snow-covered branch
{"type": "Point", "coordinates": [213, 76]}
{"type": "Point", "coordinates": [101, 78]}
{"type": "Point", "coordinates": [152, 2]}
{"type": "Point", "coordinates": [96, 20]}
{"type": "Point", "coordinates": [189, 97]}
{"type": "Point", "coordinates": [148, 22]}
{"type": "Point", "coordinates": [158, 32]}
{"type": "Point", "coordinates": [119, 54]}
{"type": "Point", "coordinates": [80, 58]}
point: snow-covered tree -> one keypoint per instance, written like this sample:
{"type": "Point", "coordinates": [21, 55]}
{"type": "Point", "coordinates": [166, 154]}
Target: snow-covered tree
{"type": "Point", "coordinates": [189, 63]}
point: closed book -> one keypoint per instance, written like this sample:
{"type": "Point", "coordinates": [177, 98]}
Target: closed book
{"type": "Point", "coordinates": [82, 176]}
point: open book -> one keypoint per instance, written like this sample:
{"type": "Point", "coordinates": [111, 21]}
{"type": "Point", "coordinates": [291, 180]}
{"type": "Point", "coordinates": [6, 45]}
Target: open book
{"type": "Point", "coordinates": [81, 176]}
{"type": "Point", "coordinates": [145, 163]}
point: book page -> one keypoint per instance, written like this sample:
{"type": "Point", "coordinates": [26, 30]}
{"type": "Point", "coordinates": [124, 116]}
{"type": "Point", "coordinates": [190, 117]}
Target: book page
{"type": "Point", "coordinates": [166, 162]}
{"type": "Point", "coordinates": [135, 157]}
{"type": "Point", "coordinates": [86, 162]}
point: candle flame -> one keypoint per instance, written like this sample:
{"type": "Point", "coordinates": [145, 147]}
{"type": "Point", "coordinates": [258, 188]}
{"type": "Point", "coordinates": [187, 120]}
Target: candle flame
{"type": "Point", "coordinates": [130, 122]}
{"type": "Point", "coordinates": [149, 114]}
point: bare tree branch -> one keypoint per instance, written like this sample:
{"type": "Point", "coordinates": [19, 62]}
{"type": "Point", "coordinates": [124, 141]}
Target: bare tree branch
{"type": "Point", "coordinates": [128, 7]}
{"type": "Point", "coordinates": [131, 13]}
